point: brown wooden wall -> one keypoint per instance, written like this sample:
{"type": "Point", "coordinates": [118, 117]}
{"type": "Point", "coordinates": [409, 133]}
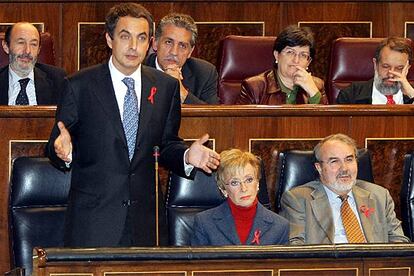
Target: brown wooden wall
{"type": "Point", "coordinates": [387, 131]}
{"type": "Point", "coordinates": [61, 17]}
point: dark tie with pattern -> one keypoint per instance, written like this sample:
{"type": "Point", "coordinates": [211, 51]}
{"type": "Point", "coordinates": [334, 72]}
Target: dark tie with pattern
{"type": "Point", "coordinates": [22, 98]}
{"type": "Point", "coordinates": [130, 115]}
{"type": "Point", "coordinates": [349, 220]}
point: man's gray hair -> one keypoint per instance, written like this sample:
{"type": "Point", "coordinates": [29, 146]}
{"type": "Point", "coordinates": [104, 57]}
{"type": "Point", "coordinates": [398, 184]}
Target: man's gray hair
{"type": "Point", "coordinates": [334, 137]}
{"type": "Point", "coordinates": [179, 20]}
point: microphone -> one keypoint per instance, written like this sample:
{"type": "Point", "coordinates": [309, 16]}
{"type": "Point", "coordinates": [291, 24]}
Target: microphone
{"type": "Point", "coordinates": [156, 154]}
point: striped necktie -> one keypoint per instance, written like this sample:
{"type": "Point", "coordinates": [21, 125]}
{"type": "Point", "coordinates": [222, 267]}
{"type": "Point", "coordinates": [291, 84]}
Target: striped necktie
{"type": "Point", "coordinates": [130, 115]}
{"type": "Point", "coordinates": [22, 98]}
{"type": "Point", "coordinates": [349, 220]}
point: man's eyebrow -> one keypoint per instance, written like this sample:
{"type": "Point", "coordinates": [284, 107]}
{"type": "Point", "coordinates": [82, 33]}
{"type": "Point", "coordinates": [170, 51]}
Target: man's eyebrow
{"type": "Point", "coordinates": [333, 158]}
{"type": "Point", "coordinates": [124, 31]}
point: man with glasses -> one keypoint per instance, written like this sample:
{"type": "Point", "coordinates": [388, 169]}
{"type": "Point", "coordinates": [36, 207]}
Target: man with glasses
{"type": "Point", "coordinates": [289, 81]}
{"type": "Point", "coordinates": [339, 208]}
{"type": "Point", "coordinates": [390, 85]}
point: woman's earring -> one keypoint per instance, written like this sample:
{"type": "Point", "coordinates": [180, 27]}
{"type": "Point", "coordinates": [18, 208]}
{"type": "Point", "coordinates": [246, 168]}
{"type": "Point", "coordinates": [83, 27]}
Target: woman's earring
{"type": "Point", "coordinates": [307, 68]}
{"type": "Point", "coordinates": [276, 61]}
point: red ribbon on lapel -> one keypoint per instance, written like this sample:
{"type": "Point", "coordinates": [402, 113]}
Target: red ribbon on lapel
{"type": "Point", "coordinates": [366, 211]}
{"type": "Point", "coordinates": [152, 94]}
{"type": "Point", "coordinates": [256, 239]}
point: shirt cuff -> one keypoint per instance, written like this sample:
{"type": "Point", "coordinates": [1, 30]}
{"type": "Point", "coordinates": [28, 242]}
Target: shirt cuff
{"type": "Point", "coordinates": [187, 167]}
{"type": "Point", "coordinates": [315, 99]}
{"type": "Point", "coordinates": [67, 164]}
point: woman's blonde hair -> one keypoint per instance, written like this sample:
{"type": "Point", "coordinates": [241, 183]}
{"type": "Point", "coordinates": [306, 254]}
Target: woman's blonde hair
{"type": "Point", "coordinates": [234, 161]}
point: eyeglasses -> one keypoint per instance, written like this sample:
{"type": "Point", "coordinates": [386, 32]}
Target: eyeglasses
{"type": "Point", "coordinates": [336, 163]}
{"type": "Point", "coordinates": [235, 182]}
{"type": "Point", "coordinates": [303, 56]}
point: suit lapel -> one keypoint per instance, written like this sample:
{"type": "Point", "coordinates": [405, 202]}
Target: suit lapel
{"type": "Point", "coordinates": [42, 87]}
{"type": "Point", "coordinates": [146, 107]}
{"type": "Point", "coordinates": [188, 80]}
{"type": "Point", "coordinates": [225, 223]}
{"type": "Point", "coordinates": [4, 85]}
{"type": "Point", "coordinates": [321, 210]}
{"type": "Point", "coordinates": [366, 94]}
{"type": "Point", "coordinates": [362, 198]}
{"type": "Point", "coordinates": [105, 93]}
{"type": "Point", "coordinates": [261, 226]}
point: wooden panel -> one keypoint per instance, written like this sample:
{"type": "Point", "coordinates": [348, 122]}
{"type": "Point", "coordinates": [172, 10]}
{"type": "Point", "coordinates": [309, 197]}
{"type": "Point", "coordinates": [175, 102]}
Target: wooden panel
{"type": "Point", "coordinates": [61, 17]}
{"type": "Point", "coordinates": [72, 15]}
{"type": "Point", "coordinates": [320, 272]}
{"type": "Point", "coordinates": [389, 271]}
{"type": "Point", "coordinates": [269, 149]}
{"type": "Point", "coordinates": [398, 14]}
{"type": "Point", "coordinates": [388, 160]}
{"type": "Point", "coordinates": [264, 260]}
{"type": "Point", "coordinates": [231, 126]}
{"type": "Point", "coordinates": [329, 11]}
{"type": "Point", "coordinates": [233, 272]}
{"type": "Point", "coordinates": [36, 127]}
{"type": "Point", "coordinates": [325, 33]}
{"type": "Point", "coordinates": [49, 14]}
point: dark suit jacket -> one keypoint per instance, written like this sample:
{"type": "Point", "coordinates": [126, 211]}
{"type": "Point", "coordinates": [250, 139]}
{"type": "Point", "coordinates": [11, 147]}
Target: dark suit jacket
{"type": "Point", "coordinates": [103, 178]}
{"type": "Point", "coordinates": [49, 84]}
{"type": "Point", "coordinates": [200, 79]}
{"type": "Point", "coordinates": [308, 211]}
{"type": "Point", "coordinates": [361, 93]}
{"type": "Point", "coordinates": [216, 227]}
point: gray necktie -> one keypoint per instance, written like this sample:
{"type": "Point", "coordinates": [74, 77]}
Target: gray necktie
{"type": "Point", "coordinates": [22, 98]}
{"type": "Point", "coordinates": [130, 115]}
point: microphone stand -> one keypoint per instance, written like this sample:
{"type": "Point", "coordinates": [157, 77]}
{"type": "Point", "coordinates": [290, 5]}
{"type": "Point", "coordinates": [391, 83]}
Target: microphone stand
{"type": "Point", "coordinates": [156, 155]}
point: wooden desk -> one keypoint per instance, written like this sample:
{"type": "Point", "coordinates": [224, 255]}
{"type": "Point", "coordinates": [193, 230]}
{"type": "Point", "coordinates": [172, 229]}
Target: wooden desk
{"type": "Point", "coordinates": [387, 131]}
{"type": "Point", "coordinates": [319, 260]}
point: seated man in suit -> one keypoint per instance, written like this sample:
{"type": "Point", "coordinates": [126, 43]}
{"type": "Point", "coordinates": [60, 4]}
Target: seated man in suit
{"type": "Point", "coordinates": [241, 219]}
{"type": "Point", "coordinates": [23, 81]}
{"type": "Point", "coordinates": [338, 208]}
{"type": "Point", "coordinates": [389, 85]}
{"type": "Point", "coordinates": [175, 40]}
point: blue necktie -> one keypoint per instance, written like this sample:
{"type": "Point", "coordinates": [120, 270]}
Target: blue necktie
{"type": "Point", "coordinates": [130, 115]}
{"type": "Point", "coordinates": [22, 98]}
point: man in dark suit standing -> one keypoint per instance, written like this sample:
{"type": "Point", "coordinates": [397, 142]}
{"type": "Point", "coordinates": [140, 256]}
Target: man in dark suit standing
{"type": "Point", "coordinates": [111, 117]}
{"type": "Point", "coordinates": [24, 81]}
{"type": "Point", "coordinates": [175, 39]}
{"type": "Point", "coordinates": [392, 60]}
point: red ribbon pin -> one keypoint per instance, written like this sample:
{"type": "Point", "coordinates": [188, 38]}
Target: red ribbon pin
{"type": "Point", "coordinates": [256, 239]}
{"type": "Point", "coordinates": [366, 211]}
{"type": "Point", "coordinates": [152, 94]}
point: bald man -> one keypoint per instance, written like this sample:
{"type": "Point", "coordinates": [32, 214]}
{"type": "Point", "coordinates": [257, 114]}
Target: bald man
{"type": "Point", "coordinates": [24, 81]}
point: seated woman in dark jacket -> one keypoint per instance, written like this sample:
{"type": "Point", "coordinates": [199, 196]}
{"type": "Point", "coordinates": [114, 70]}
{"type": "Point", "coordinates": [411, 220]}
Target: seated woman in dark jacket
{"type": "Point", "coordinates": [288, 82]}
{"type": "Point", "coordinates": [241, 219]}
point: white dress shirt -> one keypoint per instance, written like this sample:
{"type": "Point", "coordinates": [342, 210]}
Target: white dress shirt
{"type": "Point", "coordinates": [379, 98]}
{"type": "Point", "coordinates": [120, 87]}
{"type": "Point", "coordinates": [14, 88]}
{"type": "Point", "coordinates": [335, 203]}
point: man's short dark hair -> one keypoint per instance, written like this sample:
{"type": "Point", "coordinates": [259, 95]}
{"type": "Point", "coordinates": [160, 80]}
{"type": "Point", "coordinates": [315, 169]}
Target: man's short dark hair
{"type": "Point", "coordinates": [7, 35]}
{"type": "Point", "coordinates": [127, 9]}
{"type": "Point", "coordinates": [179, 20]}
{"type": "Point", "coordinates": [295, 36]}
{"type": "Point", "coordinates": [398, 44]}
